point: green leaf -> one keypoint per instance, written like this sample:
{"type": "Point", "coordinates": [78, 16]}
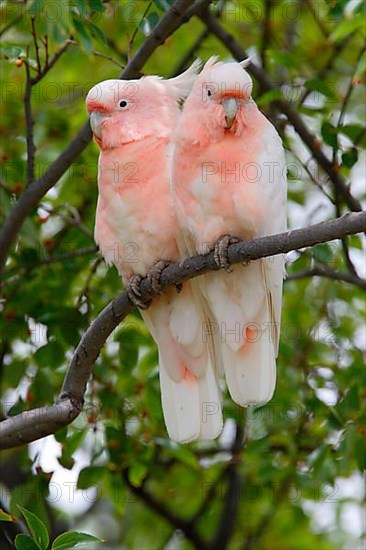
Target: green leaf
{"type": "Point", "coordinates": [95, 31]}
{"type": "Point", "coordinates": [128, 354]}
{"type": "Point", "coordinates": [322, 253]}
{"type": "Point", "coordinates": [163, 5]}
{"type": "Point", "coordinates": [69, 446]}
{"type": "Point", "coordinates": [285, 59]}
{"type": "Point", "coordinates": [350, 157]}
{"type": "Point", "coordinates": [136, 473]}
{"type": "Point", "coordinates": [96, 5]}
{"type": "Point", "coordinates": [90, 476]}
{"type": "Point", "coordinates": [329, 134]}
{"type": "Point", "coordinates": [6, 517]}
{"type": "Point", "coordinates": [350, 404]}
{"type": "Point", "coordinates": [360, 452]}
{"type": "Point", "coordinates": [17, 408]}
{"type": "Point", "coordinates": [25, 542]}
{"type": "Point", "coordinates": [355, 132]}
{"type": "Point", "coordinates": [347, 26]}
{"type": "Point", "coordinates": [35, 8]}
{"type": "Point", "coordinates": [268, 97]}
{"type": "Point", "coordinates": [50, 355]}
{"type": "Point", "coordinates": [148, 23]}
{"type": "Point", "coordinates": [29, 234]}
{"type": "Point", "coordinates": [36, 527]}
{"type": "Point", "coordinates": [361, 67]}
{"type": "Point", "coordinates": [82, 34]}
{"type": "Point", "coordinates": [72, 539]}
{"type": "Point", "coordinates": [317, 85]}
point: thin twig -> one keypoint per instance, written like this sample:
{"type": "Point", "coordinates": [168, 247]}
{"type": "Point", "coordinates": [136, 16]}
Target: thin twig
{"type": "Point", "coordinates": [327, 273]}
{"type": "Point", "coordinates": [46, 53]}
{"type": "Point", "coordinates": [137, 28]}
{"type": "Point", "coordinates": [345, 102]}
{"type": "Point", "coordinates": [109, 58]}
{"type": "Point", "coordinates": [345, 248]}
{"type": "Point", "coordinates": [36, 47]}
{"type": "Point", "coordinates": [29, 122]}
{"type": "Point", "coordinates": [85, 290]}
{"type": "Point", "coordinates": [74, 221]}
{"type": "Point", "coordinates": [42, 73]}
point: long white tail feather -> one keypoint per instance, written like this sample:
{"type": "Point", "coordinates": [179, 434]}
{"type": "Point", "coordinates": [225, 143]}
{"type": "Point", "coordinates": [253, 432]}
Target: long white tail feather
{"type": "Point", "coordinates": [189, 390]}
{"type": "Point", "coordinates": [251, 372]}
{"type": "Point", "coordinates": [242, 302]}
{"type": "Point", "coordinates": [191, 407]}
{"type": "Point", "coordinates": [180, 401]}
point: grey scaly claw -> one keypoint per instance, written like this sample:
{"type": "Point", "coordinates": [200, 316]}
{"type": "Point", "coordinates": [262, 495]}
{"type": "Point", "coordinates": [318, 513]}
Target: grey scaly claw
{"type": "Point", "coordinates": [154, 275]}
{"type": "Point", "coordinates": [134, 292]}
{"type": "Point", "coordinates": [221, 251]}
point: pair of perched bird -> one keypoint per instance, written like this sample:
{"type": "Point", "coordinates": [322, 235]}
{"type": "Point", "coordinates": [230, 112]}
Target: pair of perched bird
{"type": "Point", "coordinates": [176, 180]}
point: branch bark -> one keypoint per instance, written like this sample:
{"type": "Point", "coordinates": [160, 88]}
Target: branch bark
{"type": "Point", "coordinates": [37, 423]}
{"type": "Point", "coordinates": [180, 12]}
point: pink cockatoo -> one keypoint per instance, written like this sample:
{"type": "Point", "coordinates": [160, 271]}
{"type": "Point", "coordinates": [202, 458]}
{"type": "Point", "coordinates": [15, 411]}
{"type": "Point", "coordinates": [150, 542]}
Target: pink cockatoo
{"type": "Point", "coordinates": [132, 123]}
{"type": "Point", "coordinates": [229, 183]}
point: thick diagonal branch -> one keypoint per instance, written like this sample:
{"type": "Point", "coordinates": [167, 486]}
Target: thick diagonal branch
{"type": "Point", "coordinates": [32, 425]}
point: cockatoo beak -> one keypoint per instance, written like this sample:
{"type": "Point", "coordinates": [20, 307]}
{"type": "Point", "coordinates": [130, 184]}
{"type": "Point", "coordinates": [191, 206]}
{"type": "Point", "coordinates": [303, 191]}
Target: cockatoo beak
{"type": "Point", "coordinates": [95, 123]}
{"type": "Point", "coordinates": [231, 106]}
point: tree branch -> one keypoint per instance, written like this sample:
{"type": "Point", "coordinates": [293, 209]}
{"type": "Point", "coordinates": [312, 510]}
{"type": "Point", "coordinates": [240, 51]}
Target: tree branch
{"type": "Point", "coordinates": [31, 148]}
{"type": "Point", "coordinates": [49, 64]}
{"type": "Point", "coordinates": [329, 274]}
{"type": "Point", "coordinates": [293, 116]}
{"type": "Point", "coordinates": [180, 12]}
{"type": "Point", "coordinates": [177, 522]}
{"type": "Point", "coordinates": [230, 508]}
{"type": "Point", "coordinates": [25, 427]}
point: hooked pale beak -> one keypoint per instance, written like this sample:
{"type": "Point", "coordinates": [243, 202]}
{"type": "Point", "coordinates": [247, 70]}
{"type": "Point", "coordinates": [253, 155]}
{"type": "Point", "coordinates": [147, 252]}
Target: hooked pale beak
{"type": "Point", "coordinates": [231, 106]}
{"type": "Point", "coordinates": [95, 123]}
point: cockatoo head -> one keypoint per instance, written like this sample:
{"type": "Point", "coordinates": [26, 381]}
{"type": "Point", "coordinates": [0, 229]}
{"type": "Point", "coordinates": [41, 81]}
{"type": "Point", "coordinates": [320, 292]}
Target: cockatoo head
{"type": "Point", "coordinates": [122, 111]}
{"type": "Point", "coordinates": [223, 89]}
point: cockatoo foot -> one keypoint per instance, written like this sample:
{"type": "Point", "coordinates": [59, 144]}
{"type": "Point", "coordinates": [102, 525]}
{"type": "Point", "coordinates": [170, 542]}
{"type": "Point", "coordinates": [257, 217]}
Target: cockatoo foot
{"type": "Point", "coordinates": [134, 292]}
{"type": "Point", "coordinates": [154, 275]}
{"type": "Point", "coordinates": [221, 251]}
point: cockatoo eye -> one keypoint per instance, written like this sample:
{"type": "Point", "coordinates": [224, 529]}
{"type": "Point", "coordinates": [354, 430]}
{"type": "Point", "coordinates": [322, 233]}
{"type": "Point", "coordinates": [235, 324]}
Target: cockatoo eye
{"type": "Point", "coordinates": [123, 104]}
